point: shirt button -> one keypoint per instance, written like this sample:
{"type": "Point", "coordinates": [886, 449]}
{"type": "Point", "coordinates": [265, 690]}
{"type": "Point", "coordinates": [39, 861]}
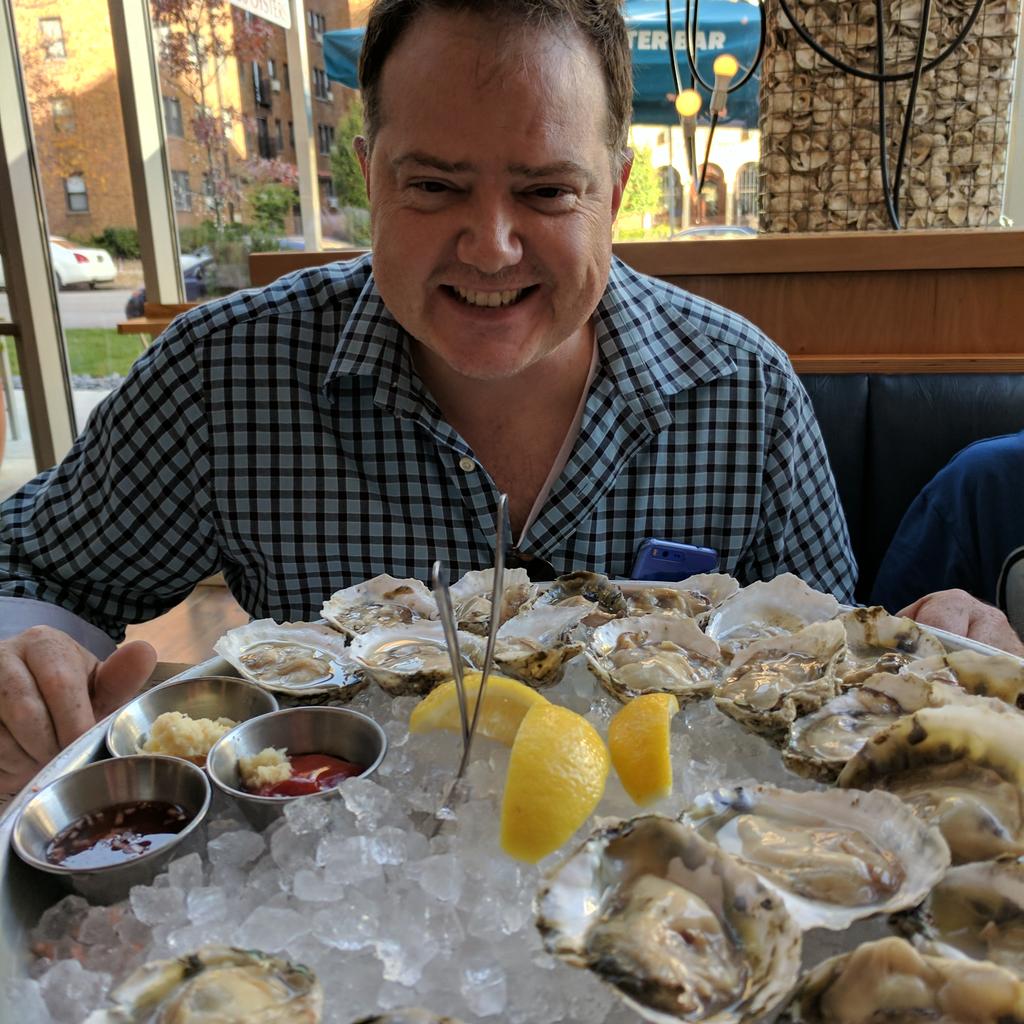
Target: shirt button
{"type": "Point", "coordinates": [467, 464]}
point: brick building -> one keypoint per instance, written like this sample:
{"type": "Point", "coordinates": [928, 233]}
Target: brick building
{"type": "Point", "coordinates": [68, 60]}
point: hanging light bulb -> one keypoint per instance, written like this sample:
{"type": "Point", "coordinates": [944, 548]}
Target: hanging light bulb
{"type": "Point", "coordinates": [725, 68]}
{"type": "Point", "coordinates": [688, 104]}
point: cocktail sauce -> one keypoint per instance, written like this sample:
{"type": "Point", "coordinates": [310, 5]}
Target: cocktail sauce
{"type": "Point", "coordinates": [312, 773]}
{"type": "Point", "coordinates": [116, 834]}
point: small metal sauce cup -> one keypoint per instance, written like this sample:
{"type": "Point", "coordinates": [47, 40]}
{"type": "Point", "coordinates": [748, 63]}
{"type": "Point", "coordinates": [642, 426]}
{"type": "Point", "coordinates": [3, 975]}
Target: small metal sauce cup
{"type": "Point", "coordinates": [104, 784]}
{"type": "Point", "coordinates": [338, 732]}
{"type": "Point", "coordinates": [205, 697]}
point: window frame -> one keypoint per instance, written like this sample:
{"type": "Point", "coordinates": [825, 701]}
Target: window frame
{"type": "Point", "coordinates": [69, 192]}
{"type": "Point", "coordinates": [51, 41]}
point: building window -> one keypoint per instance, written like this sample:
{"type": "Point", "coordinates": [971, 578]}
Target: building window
{"type": "Point", "coordinates": [746, 192]}
{"type": "Point", "coordinates": [279, 132]}
{"type": "Point", "coordinates": [63, 114]}
{"type": "Point", "coordinates": [263, 145]}
{"type": "Point", "coordinates": [182, 191]}
{"type": "Point", "coordinates": [324, 139]}
{"type": "Point", "coordinates": [320, 85]}
{"type": "Point", "coordinates": [208, 193]}
{"type": "Point", "coordinates": [76, 197]}
{"type": "Point", "coordinates": [271, 68]}
{"type": "Point", "coordinates": [317, 25]}
{"type": "Point", "coordinates": [260, 86]}
{"type": "Point", "coordinates": [287, 82]}
{"type": "Point", "coordinates": [52, 32]}
{"type": "Point", "coordinates": [172, 117]}
{"type": "Point", "coordinates": [291, 134]}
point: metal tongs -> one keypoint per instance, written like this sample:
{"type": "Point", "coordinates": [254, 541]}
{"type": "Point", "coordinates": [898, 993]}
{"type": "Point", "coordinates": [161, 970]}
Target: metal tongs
{"type": "Point", "coordinates": [439, 585]}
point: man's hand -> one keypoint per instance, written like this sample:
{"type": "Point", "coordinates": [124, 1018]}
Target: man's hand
{"type": "Point", "coordinates": [52, 690]}
{"type": "Point", "coordinates": [958, 612]}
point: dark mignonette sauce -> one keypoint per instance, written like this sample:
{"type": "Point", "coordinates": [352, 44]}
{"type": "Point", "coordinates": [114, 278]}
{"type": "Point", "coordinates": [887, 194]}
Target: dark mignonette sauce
{"type": "Point", "coordinates": [117, 834]}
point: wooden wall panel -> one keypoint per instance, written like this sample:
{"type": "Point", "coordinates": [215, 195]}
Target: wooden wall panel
{"type": "Point", "coordinates": [924, 302]}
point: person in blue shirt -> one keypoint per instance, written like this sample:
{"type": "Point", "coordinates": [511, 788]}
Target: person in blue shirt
{"type": "Point", "coordinates": [961, 543]}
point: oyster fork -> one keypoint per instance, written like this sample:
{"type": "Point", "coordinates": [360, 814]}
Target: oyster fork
{"type": "Point", "coordinates": [439, 584]}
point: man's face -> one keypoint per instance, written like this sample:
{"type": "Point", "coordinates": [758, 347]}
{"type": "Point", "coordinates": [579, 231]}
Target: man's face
{"type": "Point", "coordinates": [492, 191]}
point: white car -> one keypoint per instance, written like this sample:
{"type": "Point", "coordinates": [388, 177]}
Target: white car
{"type": "Point", "coordinates": [76, 264]}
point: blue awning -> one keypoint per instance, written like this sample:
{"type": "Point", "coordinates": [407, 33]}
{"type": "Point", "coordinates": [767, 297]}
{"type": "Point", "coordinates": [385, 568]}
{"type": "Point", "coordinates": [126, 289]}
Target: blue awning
{"type": "Point", "coordinates": [725, 26]}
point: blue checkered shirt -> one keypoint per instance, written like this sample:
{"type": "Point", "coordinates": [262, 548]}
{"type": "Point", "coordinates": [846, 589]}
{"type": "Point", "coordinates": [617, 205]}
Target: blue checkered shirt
{"type": "Point", "coordinates": [282, 436]}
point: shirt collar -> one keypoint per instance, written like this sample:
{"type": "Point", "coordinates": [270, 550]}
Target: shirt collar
{"type": "Point", "coordinates": [648, 345]}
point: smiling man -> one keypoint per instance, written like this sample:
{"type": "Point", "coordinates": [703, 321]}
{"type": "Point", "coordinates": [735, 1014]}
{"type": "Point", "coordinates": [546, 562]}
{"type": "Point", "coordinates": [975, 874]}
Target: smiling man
{"type": "Point", "coordinates": [362, 417]}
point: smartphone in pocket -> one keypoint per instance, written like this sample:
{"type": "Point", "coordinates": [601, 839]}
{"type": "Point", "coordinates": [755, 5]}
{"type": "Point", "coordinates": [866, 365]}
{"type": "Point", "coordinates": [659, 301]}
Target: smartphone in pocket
{"type": "Point", "coordinates": [668, 561]}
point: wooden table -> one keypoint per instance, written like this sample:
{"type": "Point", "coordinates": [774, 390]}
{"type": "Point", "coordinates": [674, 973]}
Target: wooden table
{"type": "Point", "coordinates": [186, 634]}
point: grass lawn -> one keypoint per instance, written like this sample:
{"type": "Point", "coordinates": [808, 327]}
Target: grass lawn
{"type": "Point", "coordinates": [96, 352]}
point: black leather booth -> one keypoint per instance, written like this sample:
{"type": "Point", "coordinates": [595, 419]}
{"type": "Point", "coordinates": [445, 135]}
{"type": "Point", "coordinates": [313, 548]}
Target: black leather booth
{"type": "Point", "coordinates": [888, 434]}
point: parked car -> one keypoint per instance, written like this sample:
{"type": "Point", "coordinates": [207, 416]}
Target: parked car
{"type": "Point", "coordinates": [714, 231]}
{"type": "Point", "coordinates": [76, 264]}
{"type": "Point", "coordinates": [195, 271]}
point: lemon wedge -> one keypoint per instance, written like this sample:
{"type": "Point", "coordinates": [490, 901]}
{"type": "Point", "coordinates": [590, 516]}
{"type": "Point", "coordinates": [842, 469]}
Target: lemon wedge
{"type": "Point", "coordinates": [638, 737]}
{"type": "Point", "coordinates": [556, 776]}
{"type": "Point", "coordinates": [506, 701]}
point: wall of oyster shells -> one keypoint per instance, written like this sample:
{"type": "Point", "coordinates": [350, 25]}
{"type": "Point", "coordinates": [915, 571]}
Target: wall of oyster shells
{"type": "Point", "coordinates": [820, 168]}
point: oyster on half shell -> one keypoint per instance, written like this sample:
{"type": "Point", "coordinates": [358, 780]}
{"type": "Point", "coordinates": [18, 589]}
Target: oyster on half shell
{"type": "Point", "coordinates": [412, 659]}
{"type": "Point", "coordinates": [977, 911]}
{"type": "Point", "coordinates": [959, 768]}
{"type": "Point", "coordinates": [695, 596]}
{"type": "Point", "coordinates": [471, 598]}
{"type": "Point", "coordinates": [879, 642]}
{"type": "Point", "coordinates": [534, 646]}
{"type": "Point", "coordinates": [378, 602]}
{"type": "Point", "coordinates": [822, 742]}
{"type": "Point", "coordinates": [682, 930]}
{"type": "Point", "coordinates": [213, 985]}
{"type": "Point", "coordinates": [299, 658]}
{"type": "Point", "coordinates": [986, 675]}
{"type": "Point", "coordinates": [603, 599]}
{"type": "Point", "coordinates": [784, 604]}
{"type": "Point", "coordinates": [654, 654]}
{"type": "Point", "coordinates": [776, 678]}
{"type": "Point", "coordinates": [889, 980]}
{"type": "Point", "coordinates": [833, 856]}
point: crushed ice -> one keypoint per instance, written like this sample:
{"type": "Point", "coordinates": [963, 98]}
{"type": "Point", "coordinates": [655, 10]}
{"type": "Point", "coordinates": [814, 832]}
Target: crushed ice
{"type": "Point", "coordinates": [353, 888]}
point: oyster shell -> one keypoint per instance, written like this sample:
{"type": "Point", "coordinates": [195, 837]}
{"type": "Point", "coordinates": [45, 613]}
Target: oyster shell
{"type": "Point", "coordinates": [411, 659]}
{"type": "Point", "coordinates": [603, 599]}
{"type": "Point", "coordinates": [822, 742]}
{"type": "Point", "coordinates": [833, 856]}
{"type": "Point", "coordinates": [986, 675]}
{"type": "Point", "coordinates": [471, 597]}
{"type": "Point", "coordinates": [534, 646]}
{"type": "Point", "coordinates": [879, 642]}
{"type": "Point", "coordinates": [214, 985]}
{"type": "Point", "coordinates": [977, 911]}
{"type": "Point", "coordinates": [695, 596]}
{"type": "Point", "coordinates": [654, 654]}
{"type": "Point", "coordinates": [783, 605]}
{"type": "Point", "coordinates": [297, 658]}
{"type": "Point", "coordinates": [889, 980]}
{"type": "Point", "coordinates": [378, 602]}
{"type": "Point", "coordinates": [776, 678]}
{"type": "Point", "coordinates": [682, 930]}
{"type": "Point", "coordinates": [959, 768]}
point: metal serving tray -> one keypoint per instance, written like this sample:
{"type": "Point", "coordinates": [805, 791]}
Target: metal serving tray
{"type": "Point", "coordinates": [25, 893]}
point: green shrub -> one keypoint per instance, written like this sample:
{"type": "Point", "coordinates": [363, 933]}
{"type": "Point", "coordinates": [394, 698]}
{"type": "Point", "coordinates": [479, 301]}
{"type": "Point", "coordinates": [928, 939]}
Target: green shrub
{"type": "Point", "coordinates": [120, 242]}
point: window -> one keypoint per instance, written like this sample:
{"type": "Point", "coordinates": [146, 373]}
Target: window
{"type": "Point", "coordinates": [63, 114]}
{"type": "Point", "coordinates": [279, 132]}
{"type": "Point", "coordinates": [172, 117]}
{"type": "Point", "coordinates": [208, 192]}
{"type": "Point", "coordinates": [271, 68]}
{"type": "Point", "coordinates": [182, 190]}
{"type": "Point", "coordinates": [52, 32]}
{"type": "Point", "coordinates": [287, 82]}
{"type": "Point", "coordinates": [291, 134]}
{"type": "Point", "coordinates": [320, 84]}
{"type": "Point", "coordinates": [746, 193]}
{"type": "Point", "coordinates": [317, 25]}
{"type": "Point", "coordinates": [260, 86]}
{"type": "Point", "coordinates": [324, 139]}
{"type": "Point", "coordinates": [76, 197]}
{"type": "Point", "coordinates": [263, 145]}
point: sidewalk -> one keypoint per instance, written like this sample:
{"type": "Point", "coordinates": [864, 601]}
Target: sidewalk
{"type": "Point", "coordinates": [18, 464]}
